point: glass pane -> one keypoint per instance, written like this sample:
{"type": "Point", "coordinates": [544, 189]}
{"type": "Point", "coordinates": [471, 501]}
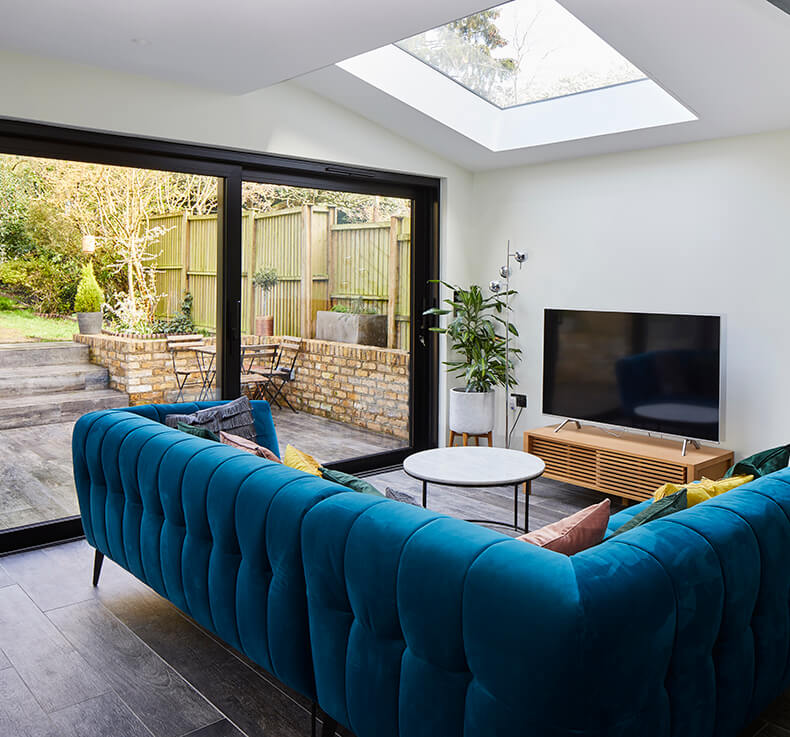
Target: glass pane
{"type": "Point", "coordinates": [136, 231]}
{"type": "Point", "coordinates": [325, 317]}
{"type": "Point", "coordinates": [522, 51]}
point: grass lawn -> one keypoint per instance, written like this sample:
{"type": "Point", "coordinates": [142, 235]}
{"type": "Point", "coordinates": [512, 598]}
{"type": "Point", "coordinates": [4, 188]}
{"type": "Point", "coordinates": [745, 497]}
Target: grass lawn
{"type": "Point", "coordinates": [23, 326]}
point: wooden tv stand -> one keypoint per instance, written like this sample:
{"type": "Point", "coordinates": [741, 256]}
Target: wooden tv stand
{"type": "Point", "coordinates": [630, 466]}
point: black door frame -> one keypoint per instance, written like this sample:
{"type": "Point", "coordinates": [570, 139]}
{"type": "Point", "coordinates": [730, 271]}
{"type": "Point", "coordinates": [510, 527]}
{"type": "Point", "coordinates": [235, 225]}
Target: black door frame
{"type": "Point", "coordinates": [231, 166]}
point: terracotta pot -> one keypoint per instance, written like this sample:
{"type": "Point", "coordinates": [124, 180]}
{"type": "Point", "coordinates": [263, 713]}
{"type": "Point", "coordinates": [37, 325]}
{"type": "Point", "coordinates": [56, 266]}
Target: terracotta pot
{"type": "Point", "coordinates": [264, 326]}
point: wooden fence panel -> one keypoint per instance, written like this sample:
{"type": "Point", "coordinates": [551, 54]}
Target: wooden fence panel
{"type": "Point", "coordinates": [278, 239]}
{"type": "Point", "coordinates": [202, 272]}
{"type": "Point", "coordinates": [169, 259]}
{"type": "Point", "coordinates": [349, 263]}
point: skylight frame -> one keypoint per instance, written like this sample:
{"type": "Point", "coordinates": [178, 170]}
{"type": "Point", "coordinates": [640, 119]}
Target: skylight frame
{"type": "Point", "coordinates": [619, 108]}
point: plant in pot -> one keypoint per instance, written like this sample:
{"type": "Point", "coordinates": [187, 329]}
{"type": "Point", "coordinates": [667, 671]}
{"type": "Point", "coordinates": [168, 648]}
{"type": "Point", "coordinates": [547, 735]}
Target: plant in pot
{"type": "Point", "coordinates": [88, 302]}
{"type": "Point", "coordinates": [481, 356]}
{"type": "Point", "coordinates": [265, 279]}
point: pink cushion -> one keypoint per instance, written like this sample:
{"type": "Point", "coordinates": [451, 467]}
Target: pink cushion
{"type": "Point", "coordinates": [236, 441]}
{"type": "Point", "coordinates": [575, 533]}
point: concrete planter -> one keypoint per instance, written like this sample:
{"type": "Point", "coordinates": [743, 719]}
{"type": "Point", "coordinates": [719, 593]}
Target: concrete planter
{"type": "Point", "coordinates": [345, 327]}
{"type": "Point", "coordinates": [471, 412]}
{"type": "Point", "coordinates": [89, 322]}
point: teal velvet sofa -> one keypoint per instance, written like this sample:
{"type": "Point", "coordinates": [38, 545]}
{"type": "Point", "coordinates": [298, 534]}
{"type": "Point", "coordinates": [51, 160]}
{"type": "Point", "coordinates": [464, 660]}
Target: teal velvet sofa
{"type": "Point", "coordinates": [213, 529]}
{"type": "Point", "coordinates": [401, 622]}
{"type": "Point", "coordinates": [423, 625]}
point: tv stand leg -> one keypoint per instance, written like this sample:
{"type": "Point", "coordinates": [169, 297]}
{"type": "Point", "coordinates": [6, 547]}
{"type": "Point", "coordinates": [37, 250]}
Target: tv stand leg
{"type": "Point", "coordinates": [565, 422]}
{"type": "Point", "coordinates": [686, 442]}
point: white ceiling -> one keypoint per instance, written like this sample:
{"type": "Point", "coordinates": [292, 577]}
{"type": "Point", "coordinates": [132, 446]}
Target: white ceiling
{"type": "Point", "coordinates": [231, 45]}
{"type": "Point", "coordinates": [726, 60]}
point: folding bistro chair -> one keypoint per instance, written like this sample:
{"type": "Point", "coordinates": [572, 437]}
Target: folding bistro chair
{"type": "Point", "coordinates": [258, 363]}
{"type": "Point", "coordinates": [283, 371]}
{"type": "Point", "coordinates": [177, 344]}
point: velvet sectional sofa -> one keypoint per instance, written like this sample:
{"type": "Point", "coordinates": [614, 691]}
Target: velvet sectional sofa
{"type": "Point", "coordinates": [401, 622]}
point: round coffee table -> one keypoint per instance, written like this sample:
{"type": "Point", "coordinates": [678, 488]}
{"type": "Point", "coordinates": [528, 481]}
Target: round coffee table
{"type": "Point", "coordinates": [473, 466]}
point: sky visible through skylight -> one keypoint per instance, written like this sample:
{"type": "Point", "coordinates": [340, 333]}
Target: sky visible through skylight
{"type": "Point", "coordinates": [520, 52]}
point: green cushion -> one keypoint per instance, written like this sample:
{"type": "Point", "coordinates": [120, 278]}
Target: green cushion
{"type": "Point", "coordinates": [352, 482]}
{"type": "Point", "coordinates": [761, 464]}
{"type": "Point", "coordinates": [663, 507]}
{"type": "Point", "coordinates": [200, 432]}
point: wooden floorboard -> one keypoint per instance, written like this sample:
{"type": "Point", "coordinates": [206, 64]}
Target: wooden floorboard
{"type": "Point", "coordinates": [20, 714]}
{"type": "Point", "coordinates": [52, 669]}
{"type": "Point", "coordinates": [222, 728]}
{"type": "Point", "coordinates": [99, 717]}
{"type": "Point", "coordinates": [163, 700]}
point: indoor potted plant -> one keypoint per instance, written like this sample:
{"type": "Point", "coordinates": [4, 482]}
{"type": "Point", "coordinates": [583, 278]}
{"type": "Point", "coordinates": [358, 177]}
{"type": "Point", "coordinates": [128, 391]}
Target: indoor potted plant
{"type": "Point", "coordinates": [480, 357]}
{"type": "Point", "coordinates": [265, 279]}
{"type": "Point", "coordinates": [88, 302]}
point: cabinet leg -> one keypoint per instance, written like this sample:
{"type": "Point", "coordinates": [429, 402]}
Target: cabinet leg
{"type": "Point", "coordinates": [490, 439]}
{"type": "Point", "coordinates": [466, 439]}
{"type": "Point", "coordinates": [452, 438]}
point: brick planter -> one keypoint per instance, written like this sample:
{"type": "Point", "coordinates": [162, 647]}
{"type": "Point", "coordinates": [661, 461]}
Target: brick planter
{"type": "Point", "coordinates": [360, 385]}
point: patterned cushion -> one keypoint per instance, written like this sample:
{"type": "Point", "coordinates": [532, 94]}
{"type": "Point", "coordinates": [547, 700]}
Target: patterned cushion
{"type": "Point", "coordinates": [234, 417]}
{"type": "Point", "coordinates": [236, 441]}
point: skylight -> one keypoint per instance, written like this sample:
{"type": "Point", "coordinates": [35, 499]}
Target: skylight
{"type": "Point", "coordinates": [526, 73]}
{"type": "Point", "coordinates": [520, 52]}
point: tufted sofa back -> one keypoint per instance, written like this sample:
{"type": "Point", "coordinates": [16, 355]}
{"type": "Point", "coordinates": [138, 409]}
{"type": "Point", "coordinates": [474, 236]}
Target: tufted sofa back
{"type": "Point", "coordinates": [424, 625]}
{"type": "Point", "coordinates": [213, 529]}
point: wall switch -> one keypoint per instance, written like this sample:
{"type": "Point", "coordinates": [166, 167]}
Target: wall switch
{"type": "Point", "coordinates": [518, 401]}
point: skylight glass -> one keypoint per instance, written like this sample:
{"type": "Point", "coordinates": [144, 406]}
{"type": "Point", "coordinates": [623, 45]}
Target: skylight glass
{"type": "Point", "coordinates": [521, 52]}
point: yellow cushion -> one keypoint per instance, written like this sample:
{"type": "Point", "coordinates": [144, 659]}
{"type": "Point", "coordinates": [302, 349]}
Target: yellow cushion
{"type": "Point", "coordinates": [702, 490]}
{"type": "Point", "coordinates": [296, 458]}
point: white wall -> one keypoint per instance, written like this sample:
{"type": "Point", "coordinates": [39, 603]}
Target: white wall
{"type": "Point", "coordinates": [285, 119]}
{"type": "Point", "coordinates": [698, 228]}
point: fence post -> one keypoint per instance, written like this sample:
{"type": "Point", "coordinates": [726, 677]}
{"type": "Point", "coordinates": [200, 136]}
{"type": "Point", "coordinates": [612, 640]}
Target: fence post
{"type": "Point", "coordinates": [306, 306]}
{"type": "Point", "coordinates": [330, 255]}
{"type": "Point", "coordinates": [393, 280]}
{"type": "Point", "coordinates": [185, 255]}
{"type": "Point", "coordinates": [251, 262]}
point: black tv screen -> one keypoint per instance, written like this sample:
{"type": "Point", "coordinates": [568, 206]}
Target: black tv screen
{"type": "Point", "coordinates": [646, 371]}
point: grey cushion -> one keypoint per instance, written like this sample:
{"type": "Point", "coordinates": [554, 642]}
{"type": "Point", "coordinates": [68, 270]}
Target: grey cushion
{"type": "Point", "coordinates": [399, 496]}
{"type": "Point", "coordinates": [233, 417]}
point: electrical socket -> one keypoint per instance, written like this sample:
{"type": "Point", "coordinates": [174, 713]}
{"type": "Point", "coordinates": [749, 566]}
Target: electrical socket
{"type": "Point", "coordinates": [517, 401]}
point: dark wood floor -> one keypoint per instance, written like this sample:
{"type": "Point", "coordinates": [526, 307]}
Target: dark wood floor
{"type": "Point", "coordinates": [120, 661]}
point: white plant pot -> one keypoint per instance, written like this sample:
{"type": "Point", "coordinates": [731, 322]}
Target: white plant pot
{"type": "Point", "coordinates": [471, 412]}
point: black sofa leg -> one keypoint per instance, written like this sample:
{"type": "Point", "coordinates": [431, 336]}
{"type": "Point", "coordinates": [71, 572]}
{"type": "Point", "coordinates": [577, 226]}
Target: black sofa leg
{"type": "Point", "coordinates": [98, 559]}
{"type": "Point", "coordinates": [328, 725]}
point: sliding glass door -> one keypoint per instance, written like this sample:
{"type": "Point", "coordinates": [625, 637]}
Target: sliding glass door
{"type": "Point", "coordinates": [299, 282]}
{"type": "Point", "coordinates": [326, 317]}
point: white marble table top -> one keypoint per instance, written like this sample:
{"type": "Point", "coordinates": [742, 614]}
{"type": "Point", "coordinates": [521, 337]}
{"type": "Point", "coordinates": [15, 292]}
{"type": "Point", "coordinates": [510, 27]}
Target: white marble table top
{"type": "Point", "coordinates": [473, 466]}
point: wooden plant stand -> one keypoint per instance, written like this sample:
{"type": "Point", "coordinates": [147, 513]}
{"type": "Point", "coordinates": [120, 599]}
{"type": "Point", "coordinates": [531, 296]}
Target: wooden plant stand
{"type": "Point", "coordinates": [630, 466]}
{"type": "Point", "coordinates": [465, 438]}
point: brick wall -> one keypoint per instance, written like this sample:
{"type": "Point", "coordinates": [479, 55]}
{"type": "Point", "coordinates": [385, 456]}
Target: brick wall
{"type": "Point", "coordinates": [360, 385]}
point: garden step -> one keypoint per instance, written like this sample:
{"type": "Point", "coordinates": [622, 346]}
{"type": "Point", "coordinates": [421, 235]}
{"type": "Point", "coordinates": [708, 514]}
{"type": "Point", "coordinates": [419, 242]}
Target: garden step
{"type": "Point", "coordinates": [44, 409]}
{"type": "Point", "coordinates": [41, 354]}
{"type": "Point", "coordinates": [49, 379]}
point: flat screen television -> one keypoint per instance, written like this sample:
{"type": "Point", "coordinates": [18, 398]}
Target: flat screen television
{"type": "Point", "coordinates": [651, 372]}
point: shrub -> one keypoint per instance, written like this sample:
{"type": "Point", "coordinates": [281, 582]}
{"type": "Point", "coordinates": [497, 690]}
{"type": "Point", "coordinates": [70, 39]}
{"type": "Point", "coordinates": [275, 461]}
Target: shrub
{"type": "Point", "coordinates": [89, 294]}
{"type": "Point", "coordinates": [265, 278]}
{"type": "Point", "coordinates": [181, 323]}
{"type": "Point", "coordinates": [7, 304]}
